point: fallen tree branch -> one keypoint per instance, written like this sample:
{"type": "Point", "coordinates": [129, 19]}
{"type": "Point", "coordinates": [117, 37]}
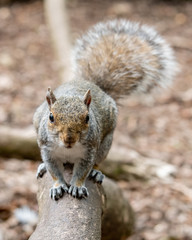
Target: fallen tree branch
{"type": "Point", "coordinates": [18, 143]}
{"type": "Point", "coordinates": [74, 219]}
{"type": "Point", "coordinates": [121, 163]}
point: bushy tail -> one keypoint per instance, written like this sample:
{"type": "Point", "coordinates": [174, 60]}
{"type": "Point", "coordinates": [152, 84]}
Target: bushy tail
{"type": "Point", "coordinates": [123, 57]}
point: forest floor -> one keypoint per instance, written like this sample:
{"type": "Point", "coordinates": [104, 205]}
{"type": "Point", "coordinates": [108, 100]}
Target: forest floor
{"type": "Point", "coordinates": [158, 127]}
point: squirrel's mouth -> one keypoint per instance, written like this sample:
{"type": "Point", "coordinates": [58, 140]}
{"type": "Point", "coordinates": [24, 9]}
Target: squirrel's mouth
{"type": "Point", "coordinates": [69, 144]}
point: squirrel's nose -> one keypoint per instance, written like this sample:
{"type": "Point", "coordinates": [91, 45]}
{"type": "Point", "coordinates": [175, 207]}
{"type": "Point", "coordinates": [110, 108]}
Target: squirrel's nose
{"type": "Point", "coordinates": [69, 140]}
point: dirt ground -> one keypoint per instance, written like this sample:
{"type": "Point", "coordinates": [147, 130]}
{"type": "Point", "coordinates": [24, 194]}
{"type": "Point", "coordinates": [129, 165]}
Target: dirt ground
{"type": "Point", "coordinates": [158, 127]}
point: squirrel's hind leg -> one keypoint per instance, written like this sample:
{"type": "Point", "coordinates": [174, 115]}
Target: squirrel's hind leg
{"type": "Point", "coordinates": [104, 148]}
{"type": "Point", "coordinates": [41, 170]}
{"type": "Point", "coordinates": [96, 175]}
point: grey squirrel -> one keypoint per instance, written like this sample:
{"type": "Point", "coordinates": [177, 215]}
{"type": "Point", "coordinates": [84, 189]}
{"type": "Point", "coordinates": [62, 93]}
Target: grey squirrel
{"type": "Point", "coordinates": [76, 122]}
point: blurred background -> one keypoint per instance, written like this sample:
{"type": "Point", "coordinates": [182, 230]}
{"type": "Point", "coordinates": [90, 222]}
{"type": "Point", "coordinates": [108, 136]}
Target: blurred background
{"type": "Point", "coordinates": [152, 145]}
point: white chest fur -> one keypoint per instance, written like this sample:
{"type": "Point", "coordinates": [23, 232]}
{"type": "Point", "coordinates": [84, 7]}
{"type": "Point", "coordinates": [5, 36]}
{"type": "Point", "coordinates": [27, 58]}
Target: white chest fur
{"type": "Point", "coordinates": [70, 155]}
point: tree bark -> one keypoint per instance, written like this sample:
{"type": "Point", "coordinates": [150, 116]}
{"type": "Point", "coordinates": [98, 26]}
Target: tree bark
{"type": "Point", "coordinates": [74, 219]}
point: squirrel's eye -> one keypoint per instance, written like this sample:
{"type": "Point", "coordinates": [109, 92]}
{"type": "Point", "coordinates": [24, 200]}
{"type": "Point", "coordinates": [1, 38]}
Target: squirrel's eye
{"type": "Point", "coordinates": [87, 118]}
{"type": "Point", "coordinates": [51, 118]}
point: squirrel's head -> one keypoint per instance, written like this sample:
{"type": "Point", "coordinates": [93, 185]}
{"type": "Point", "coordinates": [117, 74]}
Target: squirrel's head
{"type": "Point", "coordinates": [68, 118]}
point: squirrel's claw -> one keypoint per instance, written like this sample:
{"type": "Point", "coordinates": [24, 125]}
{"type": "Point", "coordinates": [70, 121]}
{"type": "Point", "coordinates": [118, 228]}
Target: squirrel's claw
{"type": "Point", "coordinates": [65, 188]}
{"type": "Point", "coordinates": [97, 176]}
{"type": "Point", "coordinates": [57, 192]}
{"type": "Point", "coordinates": [41, 170]}
{"type": "Point", "coordinates": [78, 192]}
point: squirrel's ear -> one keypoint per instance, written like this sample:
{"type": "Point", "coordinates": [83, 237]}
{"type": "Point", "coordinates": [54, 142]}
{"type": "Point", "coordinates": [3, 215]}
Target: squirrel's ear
{"type": "Point", "coordinates": [50, 97]}
{"type": "Point", "coordinates": [87, 98]}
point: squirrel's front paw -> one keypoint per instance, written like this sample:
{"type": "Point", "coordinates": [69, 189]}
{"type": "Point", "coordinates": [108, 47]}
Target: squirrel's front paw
{"type": "Point", "coordinates": [57, 192]}
{"type": "Point", "coordinates": [78, 192]}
